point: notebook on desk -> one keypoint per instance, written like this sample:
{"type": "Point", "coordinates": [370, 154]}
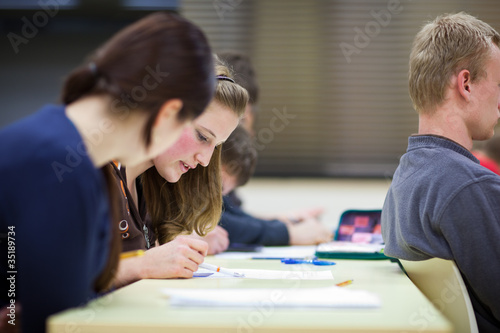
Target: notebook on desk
{"type": "Point", "coordinates": [358, 236]}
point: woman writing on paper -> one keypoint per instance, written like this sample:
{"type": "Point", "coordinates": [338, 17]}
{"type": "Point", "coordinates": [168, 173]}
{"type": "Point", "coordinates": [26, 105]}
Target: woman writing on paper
{"type": "Point", "coordinates": [180, 196]}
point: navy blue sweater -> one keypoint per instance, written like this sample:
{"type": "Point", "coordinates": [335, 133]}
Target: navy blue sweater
{"type": "Point", "coordinates": [243, 228]}
{"type": "Point", "coordinates": [442, 203]}
{"type": "Point", "coordinates": [54, 203]}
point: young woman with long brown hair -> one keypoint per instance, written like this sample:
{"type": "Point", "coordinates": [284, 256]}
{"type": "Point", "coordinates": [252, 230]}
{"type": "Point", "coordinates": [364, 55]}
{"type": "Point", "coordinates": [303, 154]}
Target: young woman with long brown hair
{"type": "Point", "coordinates": [180, 197]}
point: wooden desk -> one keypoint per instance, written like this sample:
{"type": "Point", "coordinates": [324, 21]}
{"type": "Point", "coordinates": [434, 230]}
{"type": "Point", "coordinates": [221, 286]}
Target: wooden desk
{"type": "Point", "coordinates": [141, 307]}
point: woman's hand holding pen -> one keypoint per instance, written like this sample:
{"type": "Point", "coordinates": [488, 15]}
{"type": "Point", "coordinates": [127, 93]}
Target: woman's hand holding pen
{"type": "Point", "coordinates": [176, 259]}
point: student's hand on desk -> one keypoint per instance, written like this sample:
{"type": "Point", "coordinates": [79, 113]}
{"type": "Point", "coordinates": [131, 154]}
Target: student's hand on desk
{"type": "Point", "coordinates": [308, 232]}
{"type": "Point", "coordinates": [178, 258]}
{"type": "Point", "coordinates": [217, 239]}
{"type": "Point", "coordinates": [302, 215]}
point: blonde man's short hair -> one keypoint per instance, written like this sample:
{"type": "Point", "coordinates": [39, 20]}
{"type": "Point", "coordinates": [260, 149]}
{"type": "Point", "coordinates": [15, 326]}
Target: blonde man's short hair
{"type": "Point", "coordinates": [442, 48]}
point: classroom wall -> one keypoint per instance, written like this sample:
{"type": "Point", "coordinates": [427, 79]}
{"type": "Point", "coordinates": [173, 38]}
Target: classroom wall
{"type": "Point", "coordinates": [333, 74]}
{"type": "Point", "coordinates": [337, 69]}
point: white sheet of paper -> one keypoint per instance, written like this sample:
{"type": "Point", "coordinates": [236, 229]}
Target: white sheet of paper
{"type": "Point", "coordinates": [273, 274]}
{"type": "Point", "coordinates": [297, 251]}
{"type": "Point", "coordinates": [322, 297]}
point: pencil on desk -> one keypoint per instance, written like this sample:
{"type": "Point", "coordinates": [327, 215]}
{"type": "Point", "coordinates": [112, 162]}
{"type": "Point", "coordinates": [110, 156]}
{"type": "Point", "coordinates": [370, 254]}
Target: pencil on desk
{"type": "Point", "coordinates": [345, 283]}
{"type": "Point", "coordinates": [219, 269]}
{"type": "Point", "coordinates": [131, 254]}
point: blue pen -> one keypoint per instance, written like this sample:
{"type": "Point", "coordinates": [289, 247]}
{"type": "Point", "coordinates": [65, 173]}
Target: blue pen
{"type": "Point", "coordinates": [273, 258]}
{"type": "Point", "coordinates": [292, 261]}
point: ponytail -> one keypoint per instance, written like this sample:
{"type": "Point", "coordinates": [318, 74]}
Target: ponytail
{"type": "Point", "coordinates": [79, 83]}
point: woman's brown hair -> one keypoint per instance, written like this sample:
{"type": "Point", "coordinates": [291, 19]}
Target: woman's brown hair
{"type": "Point", "coordinates": [194, 203]}
{"type": "Point", "coordinates": [161, 57]}
{"type": "Point", "coordinates": [105, 279]}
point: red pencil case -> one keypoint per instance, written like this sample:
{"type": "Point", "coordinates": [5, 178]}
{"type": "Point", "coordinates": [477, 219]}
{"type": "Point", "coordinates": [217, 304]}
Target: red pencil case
{"type": "Point", "coordinates": [360, 226]}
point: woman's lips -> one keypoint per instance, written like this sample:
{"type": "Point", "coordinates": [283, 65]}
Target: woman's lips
{"type": "Point", "coordinates": [185, 167]}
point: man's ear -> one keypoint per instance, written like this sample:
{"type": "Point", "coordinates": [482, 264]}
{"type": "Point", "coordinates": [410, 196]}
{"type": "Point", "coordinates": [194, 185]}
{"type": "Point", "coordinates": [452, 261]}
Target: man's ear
{"type": "Point", "coordinates": [168, 111]}
{"type": "Point", "coordinates": [464, 84]}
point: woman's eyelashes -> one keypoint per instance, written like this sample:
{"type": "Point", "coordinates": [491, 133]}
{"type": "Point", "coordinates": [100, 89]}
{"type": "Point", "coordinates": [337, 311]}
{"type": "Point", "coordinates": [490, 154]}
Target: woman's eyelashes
{"type": "Point", "coordinates": [201, 137]}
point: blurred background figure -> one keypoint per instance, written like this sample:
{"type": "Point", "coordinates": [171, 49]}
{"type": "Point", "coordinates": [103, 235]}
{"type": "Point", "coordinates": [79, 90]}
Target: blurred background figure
{"type": "Point", "coordinates": [488, 153]}
{"type": "Point", "coordinates": [245, 77]}
{"type": "Point", "coordinates": [238, 164]}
